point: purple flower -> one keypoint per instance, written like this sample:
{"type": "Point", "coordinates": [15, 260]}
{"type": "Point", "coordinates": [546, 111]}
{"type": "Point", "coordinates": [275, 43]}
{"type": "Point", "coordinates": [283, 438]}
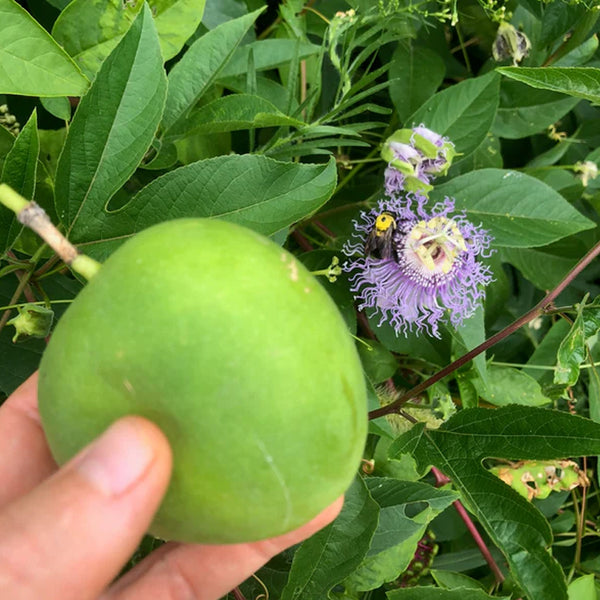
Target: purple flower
{"type": "Point", "coordinates": [415, 267]}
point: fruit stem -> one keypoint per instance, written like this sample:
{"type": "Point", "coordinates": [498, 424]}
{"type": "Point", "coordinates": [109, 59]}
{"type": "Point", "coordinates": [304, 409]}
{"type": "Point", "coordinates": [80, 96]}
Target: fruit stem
{"type": "Point", "coordinates": [33, 216]}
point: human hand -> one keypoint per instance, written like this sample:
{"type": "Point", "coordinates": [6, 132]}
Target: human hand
{"type": "Point", "coordinates": [65, 534]}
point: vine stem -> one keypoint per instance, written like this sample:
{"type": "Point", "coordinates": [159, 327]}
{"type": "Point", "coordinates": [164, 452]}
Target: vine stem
{"type": "Point", "coordinates": [23, 282]}
{"type": "Point", "coordinates": [440, 480]}
{"type": "Point", "coordinates": [237, 594]}
{"type": "Point", "coordinates": [535, 312]}
{"type": "Point", "coordinates": [32, 215]}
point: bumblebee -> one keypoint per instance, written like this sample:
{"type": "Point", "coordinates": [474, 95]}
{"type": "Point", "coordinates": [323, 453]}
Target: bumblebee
{"type": "Point", "coordinates": [380, 242]}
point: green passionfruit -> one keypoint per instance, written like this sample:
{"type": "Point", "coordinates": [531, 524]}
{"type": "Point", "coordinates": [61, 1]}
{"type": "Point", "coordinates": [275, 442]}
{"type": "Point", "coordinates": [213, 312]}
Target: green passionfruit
{"type": "Point", "coordinates": [232, 348]}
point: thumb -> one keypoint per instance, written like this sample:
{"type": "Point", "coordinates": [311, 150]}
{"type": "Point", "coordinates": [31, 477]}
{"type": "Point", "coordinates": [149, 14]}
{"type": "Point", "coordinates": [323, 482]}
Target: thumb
{"type": "Point", "coordinates": [70, 536]}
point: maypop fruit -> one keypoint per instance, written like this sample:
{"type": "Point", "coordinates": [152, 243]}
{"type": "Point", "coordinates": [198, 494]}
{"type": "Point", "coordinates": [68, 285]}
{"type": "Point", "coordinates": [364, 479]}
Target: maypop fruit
{"type": "Point", "coordinates": [228, 343]}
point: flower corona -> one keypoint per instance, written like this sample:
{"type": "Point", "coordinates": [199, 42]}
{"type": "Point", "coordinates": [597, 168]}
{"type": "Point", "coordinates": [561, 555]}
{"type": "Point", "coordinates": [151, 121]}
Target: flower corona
{"type": "Point", "coordinates": [426, 272]}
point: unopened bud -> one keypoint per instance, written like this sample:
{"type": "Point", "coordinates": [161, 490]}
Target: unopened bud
{"type": "Point", "coordinates": [32, 321]}
{"type": "Point", "coordinates": [510, 43]}
{"type": "Point", "coordinates": [586, 171]}
{"type": "Point", "coordinates": [414, 157]}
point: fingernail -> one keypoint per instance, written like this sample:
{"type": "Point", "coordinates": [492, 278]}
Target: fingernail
{"type": "Point", "coordinates": [117, 459]}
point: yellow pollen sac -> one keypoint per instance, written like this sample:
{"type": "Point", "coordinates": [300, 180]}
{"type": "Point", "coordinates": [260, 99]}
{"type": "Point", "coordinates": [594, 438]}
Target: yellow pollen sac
{"type": "Point", "coordinates": [383, 222]}
{"type": "Point", "coordinates": [424, 254]}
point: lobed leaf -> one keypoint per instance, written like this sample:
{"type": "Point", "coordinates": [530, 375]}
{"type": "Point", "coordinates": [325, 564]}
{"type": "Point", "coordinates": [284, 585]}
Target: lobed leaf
{"type": "Point", "coordinates": [514, 433]}
{"type": "Point", "coordinates": [113, 126]}
{"type": "Point", "coordinates": [257, 192]}
{"type": "Point", "coordinates": [333, 553]}
{"type": "Point", "coordinates": [405, 511]}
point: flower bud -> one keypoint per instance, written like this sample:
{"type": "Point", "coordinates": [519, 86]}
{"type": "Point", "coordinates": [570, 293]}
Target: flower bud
{"type": "Point", "coordinates": [586, 171]}
{"type": "Point", "coordinates": [414, 157]}
{"type": "Point", "coordinates": [32, 321]}
{"type": "Point", "coordinates": [510, 43]}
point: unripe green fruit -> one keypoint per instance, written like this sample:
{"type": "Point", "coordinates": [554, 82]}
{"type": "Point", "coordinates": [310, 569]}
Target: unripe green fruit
{"type": "Point", "coordinates": [225, 341]}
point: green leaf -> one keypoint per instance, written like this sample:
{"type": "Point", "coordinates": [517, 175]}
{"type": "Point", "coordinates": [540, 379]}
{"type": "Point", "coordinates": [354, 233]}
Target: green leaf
{"type": "Point", "coordinates": [414, 345]}
{"type": "Point", "coordinates": [406, 509]}
{"type": "Point", "coordinates": [431, 593]}
{"type": "Point", "coordinates": [200, 65]}
{"type": "Point", "coordinates": [487, 155]}
{"type": "Point", "coordinates": [525, 111]}
{"type": "Point", "coordinates": [573, 350]}
{"type": "Point", "coordinates": [580, 82]}
{"type": "Point", "coordinates": [232, 113]}
{"type": "Point", "coordinates": [543, 268]}
{"type": "Point", "coordinates": [59, 107]}
{"type": "Point", "coordinates": [451, 580]}
{"type": "Point", "coordinates": [333, 553]}
{"type": "Point", "coordinates": [113, 126]}
{"type": "Point", "coordinates": [583, 588]}
{"type": "Point", "coordinates": [31, 62]}
{"type": "Point", "coordinates": [470, 334]}
{"type": "Point", "coordinates": [176, 21]}
{"type": "Point", "coordinates": [7, 141]}
{"type": "Point", "coordinates": [463, 112]}
{"type": "Point", "coordinates": [379, 364]}
{"type": "Point", "coordinates": [416, 72]}
{"type": "Point", "coordinates": [268, 54]}
{"type": "Point", "coordinates": [515, 433]}
{"type": "Point", "coordinates": [505, 385]}
{"type": "Point", "coordinates": [89, 30]}
{"type": "Point", "coordinates": [254, 191]}
{"type": "Point", "coordinates": [545, 353]}
{"type": "Point", "coordinates": [19, 171]}
{"type": "Point", "coordinates": [518, 210]}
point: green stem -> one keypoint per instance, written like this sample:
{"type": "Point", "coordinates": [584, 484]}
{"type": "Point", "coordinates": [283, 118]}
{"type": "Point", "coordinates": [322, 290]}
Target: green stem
{"type": "Point", "coordinates": [23, 281]}
{"type": "Point", "coordinates": [40, 302]}
{"type": "Point", "coordinates": [33, 216]}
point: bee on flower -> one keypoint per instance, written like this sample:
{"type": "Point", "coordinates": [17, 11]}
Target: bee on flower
{"type": "Point", "coordinates": [417, 267]}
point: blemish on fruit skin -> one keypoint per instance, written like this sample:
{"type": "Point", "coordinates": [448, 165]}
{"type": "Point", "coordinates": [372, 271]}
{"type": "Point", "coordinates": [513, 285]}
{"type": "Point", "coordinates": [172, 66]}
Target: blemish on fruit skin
{"type": "Point", "coordinates": [307, 290]}
{"type": "Point", "coordinates": [292, 266]}
{"type": "Point", "coordinates": [279, 477]}
{"type": "Point", "coordinates": [128, 386]}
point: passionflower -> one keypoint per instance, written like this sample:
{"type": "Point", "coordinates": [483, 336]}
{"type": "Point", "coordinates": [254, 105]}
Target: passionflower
{"type": "Point", "coordinates": [416, 267]}
{"type": "Point", "coordinates": [415, 156]}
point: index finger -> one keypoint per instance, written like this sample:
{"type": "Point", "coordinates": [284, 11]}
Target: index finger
{"type": "Point", "coordinates": [26, 458]}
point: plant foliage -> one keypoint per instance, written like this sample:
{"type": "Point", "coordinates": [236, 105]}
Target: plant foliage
{"type": "Point", "coordinates": [121, 114]}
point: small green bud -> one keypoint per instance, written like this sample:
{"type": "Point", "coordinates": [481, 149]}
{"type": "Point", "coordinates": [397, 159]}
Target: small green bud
{"type": "Point", "coordinates": [32, 321]}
